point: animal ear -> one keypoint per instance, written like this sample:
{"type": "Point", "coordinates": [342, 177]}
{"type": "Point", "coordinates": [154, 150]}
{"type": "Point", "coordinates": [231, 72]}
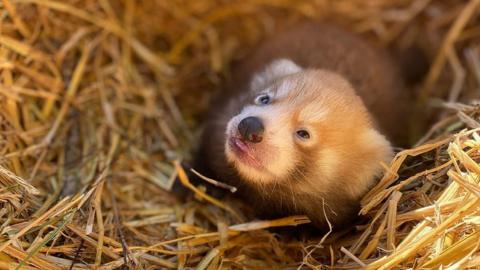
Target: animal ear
{"type": "Point", "coordinates": [275, 70]}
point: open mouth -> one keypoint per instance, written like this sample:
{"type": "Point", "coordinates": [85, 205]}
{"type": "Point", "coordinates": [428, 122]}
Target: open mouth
{"type": "Point", "coordinates": [243, 152]}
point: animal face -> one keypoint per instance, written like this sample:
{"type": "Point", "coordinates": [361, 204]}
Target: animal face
{"type": "Point", "coordinates": [303, 125]}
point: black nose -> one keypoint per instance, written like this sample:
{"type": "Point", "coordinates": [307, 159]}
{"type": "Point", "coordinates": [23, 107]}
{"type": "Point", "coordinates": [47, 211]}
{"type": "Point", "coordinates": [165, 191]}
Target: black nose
{"type": "Point", "coordinates": [251, 129]}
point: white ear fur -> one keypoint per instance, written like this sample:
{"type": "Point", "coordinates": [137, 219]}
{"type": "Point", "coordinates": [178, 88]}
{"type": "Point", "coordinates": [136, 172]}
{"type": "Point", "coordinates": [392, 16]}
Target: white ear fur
{"type": "Point", "coordinates": [277, 69]}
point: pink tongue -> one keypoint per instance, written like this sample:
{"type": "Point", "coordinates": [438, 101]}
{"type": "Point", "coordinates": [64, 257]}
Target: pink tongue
{"type": "Point", "coordinates": [240, 144]}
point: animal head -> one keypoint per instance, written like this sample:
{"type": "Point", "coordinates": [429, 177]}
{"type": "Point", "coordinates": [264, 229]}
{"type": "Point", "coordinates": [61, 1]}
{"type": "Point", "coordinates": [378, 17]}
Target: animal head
{"type": "Point", "coordinates": [304, 126]}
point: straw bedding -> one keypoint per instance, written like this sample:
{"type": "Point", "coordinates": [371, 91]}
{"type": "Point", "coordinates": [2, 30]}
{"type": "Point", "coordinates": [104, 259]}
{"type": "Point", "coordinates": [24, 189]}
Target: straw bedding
{"type": "Point", "coordinates": [101, 100]}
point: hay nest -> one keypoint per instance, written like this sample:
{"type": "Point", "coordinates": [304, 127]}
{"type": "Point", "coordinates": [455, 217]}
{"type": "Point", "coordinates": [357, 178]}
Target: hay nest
{"type": "Point", "coordinates": [99, 101]}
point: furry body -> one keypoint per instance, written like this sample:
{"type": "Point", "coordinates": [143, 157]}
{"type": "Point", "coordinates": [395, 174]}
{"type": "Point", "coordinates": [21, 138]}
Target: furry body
{"type": "Point", "coordinates": [320, 80]}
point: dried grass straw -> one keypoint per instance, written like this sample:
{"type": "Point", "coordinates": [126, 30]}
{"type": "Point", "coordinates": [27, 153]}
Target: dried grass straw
{"type": "Point", "coordinates": [99, 99]}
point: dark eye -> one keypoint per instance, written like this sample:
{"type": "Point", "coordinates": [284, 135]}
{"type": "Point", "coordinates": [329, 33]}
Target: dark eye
{"type": "Point", "coordinates": [303, 134]}
{"type": "Point", "coordinates": [263, 100]}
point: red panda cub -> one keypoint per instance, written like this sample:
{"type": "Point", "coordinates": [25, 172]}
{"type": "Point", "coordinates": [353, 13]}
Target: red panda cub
{"type": "Point", "coordinates": [305, 123]}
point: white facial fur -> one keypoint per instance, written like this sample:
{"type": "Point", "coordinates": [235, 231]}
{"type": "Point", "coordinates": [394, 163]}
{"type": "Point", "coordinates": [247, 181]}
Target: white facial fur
{"type": "Point", "coordinates": [277, 69]}
{"type": "Point", "coordinates": [276, 151]}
